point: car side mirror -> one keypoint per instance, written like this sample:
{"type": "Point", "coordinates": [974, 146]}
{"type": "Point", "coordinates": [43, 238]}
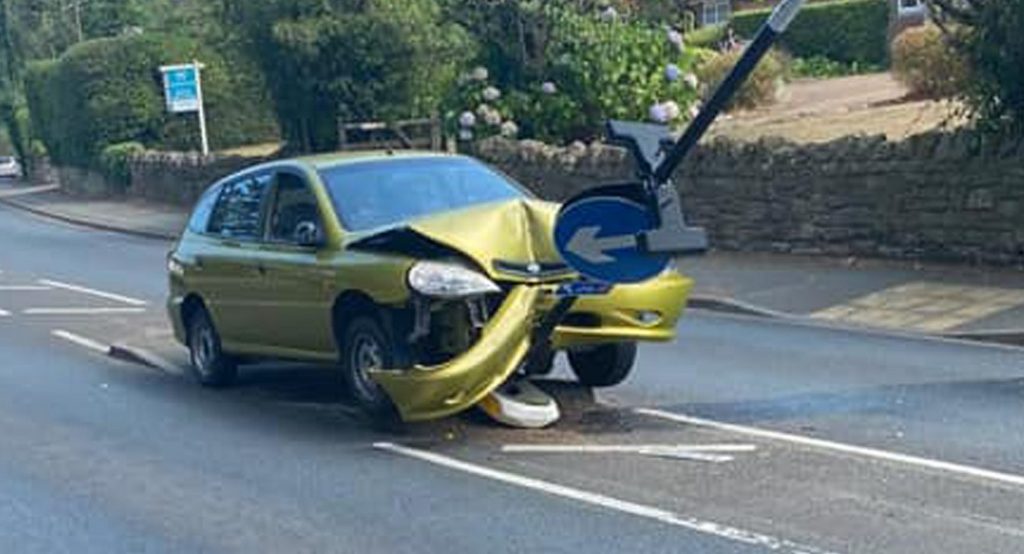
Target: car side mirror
{"type": "Point", "coordinates": [309, 234]}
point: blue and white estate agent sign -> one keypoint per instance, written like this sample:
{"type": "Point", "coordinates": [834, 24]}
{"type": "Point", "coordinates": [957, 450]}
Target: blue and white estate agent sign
{"type": "Point", "coordinates": [183, 90]}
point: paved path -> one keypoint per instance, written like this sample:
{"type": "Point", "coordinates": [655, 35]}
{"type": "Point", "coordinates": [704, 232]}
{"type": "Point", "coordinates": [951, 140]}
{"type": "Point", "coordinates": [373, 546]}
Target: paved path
{"type": "Point", "coordinates": [840, 442]}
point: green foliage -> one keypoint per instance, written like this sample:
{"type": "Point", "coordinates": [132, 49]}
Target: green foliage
{"type": "Point", "coordinates": [352, 60]}
{"type": "Point", "coordinates": [820, 67]}
{"type": "Point", "coordinates": [709, 37]}
{"type": "Point", "coordinates": [989, 36]}
{"type": "Point", "coordinates": [114, 161]}
{"type": "Point", "coordinates": [600, 69]}
{"type": "Point", "coordinates": [108, 91]}
{"type": "Point", "coordinates": [925, 61]}
{"type": "Point", "coordinates": [845, 31]}
{"type": "Point", "coordinates": [761, 87]}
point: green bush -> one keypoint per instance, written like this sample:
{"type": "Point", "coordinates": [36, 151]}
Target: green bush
{"type": "Point", "coordinates": [115, 160]}
{"type": "Point", "coordinates": [924, 60]}
{"type": "Point", "coordinates": [989, 35]}
{"type": "Point", "coordinates": [109, 91]}
{"type": "Point", "coordinates": [709, 37]}
{"type": "Point", "coordinates": [355, 61]}
{"type": "Point", "coordinates": [845, 31]}
{"type": "Point", "coordinates": [762, 86]}
{"type": "Point", "coordinates": [599, 69]}
{"type": "Point", "coordinates": [820, 67]}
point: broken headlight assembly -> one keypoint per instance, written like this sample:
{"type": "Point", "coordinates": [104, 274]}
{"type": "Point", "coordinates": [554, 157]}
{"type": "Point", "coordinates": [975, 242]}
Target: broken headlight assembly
{"type": "Point", "coordinates": [449, 281]}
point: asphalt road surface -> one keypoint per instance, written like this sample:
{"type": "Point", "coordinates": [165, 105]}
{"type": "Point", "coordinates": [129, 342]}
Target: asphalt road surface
{"type": "Point", "coordinates": [744, 436]}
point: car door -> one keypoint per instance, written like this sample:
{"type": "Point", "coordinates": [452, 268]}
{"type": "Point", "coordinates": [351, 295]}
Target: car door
{"type": "Point", "coordinates": [298, 286]}
{"type": "Point", "coordinates": [230, 263]}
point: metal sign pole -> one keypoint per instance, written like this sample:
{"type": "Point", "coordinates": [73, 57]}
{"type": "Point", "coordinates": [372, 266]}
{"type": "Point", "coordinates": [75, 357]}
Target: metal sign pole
{"type": "Point", "coordinates": [776, 24]}
{"type": "Point", "coordinates": [204, 138]}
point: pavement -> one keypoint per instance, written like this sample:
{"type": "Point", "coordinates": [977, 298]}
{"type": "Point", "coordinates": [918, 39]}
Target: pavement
{"type": "Point", "coordinates": [981, 303]}
{"type": "Point", "coordinates": [744, 435]}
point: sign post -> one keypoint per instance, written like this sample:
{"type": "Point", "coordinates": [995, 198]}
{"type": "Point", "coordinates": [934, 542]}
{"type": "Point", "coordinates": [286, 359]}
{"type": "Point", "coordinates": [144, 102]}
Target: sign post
{"type": "Point", "coordinates": [628, 233]}
{"type": "Point", "coordinates": [183, 90]}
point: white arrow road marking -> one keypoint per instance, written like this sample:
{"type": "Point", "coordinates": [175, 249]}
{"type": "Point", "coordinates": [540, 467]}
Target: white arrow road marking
{"type": "Point", "coordinates": [607, 502]}
{"type": "Point", "coordinates": [93, 292]}
{"type": "Point", "coordinates": [586, 245]}
{"type": "Point", "coordinates": [715, 453]}
{"type": "Point", "coordinates": [81, 341]}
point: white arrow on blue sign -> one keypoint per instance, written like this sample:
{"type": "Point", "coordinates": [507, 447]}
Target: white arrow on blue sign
{"type": "Point", "coordinates": [597, 236]}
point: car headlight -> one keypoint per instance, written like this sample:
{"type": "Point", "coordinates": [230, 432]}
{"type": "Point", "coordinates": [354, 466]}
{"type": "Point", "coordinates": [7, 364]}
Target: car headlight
{"type": "Point", "coordinates": [442, 280]}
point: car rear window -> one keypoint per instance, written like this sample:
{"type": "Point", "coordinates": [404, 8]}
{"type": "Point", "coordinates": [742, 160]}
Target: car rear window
{"type": "Point", "coordinates": [383, 192]}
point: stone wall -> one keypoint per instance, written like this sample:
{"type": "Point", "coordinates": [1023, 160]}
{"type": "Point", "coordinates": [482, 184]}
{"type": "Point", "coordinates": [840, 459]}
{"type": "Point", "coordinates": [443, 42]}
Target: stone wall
{"type": "Point", "coordinates": [944, 197]}
{"type": "Point", "coordinates": [163, 177]}
{"type": "Point", "coordinates": [179, 178]}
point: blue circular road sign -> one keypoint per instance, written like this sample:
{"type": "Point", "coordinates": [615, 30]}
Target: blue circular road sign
{"type": "Point", "coordinates": [598, 236]}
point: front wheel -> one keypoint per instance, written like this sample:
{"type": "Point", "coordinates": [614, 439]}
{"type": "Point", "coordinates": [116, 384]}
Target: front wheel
{"type": "Point", "coordinates": [211, 367]}
{"type": "Point", "coordinates": [606, 365]}
{"type": "Point", "coordinates": [365, 347]}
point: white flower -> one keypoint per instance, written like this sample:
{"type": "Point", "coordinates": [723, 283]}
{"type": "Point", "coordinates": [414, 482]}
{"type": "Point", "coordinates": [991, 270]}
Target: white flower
{"type": "Point", "coordinates": [676, 38]}
{"type": "Point", "coordinates": [672, 72]}
{"type": "Point", "coordinates": [694, 110]}
{"type": "Point", "coordinates": [467, 120]}
{"type": "Point", "coordinates": [482, 110]}
{"type": "Point", "coordinates": [480, 73]}
{"type": "Point", "coordinates": [491, 94]}
{"type": "Point", "coordinates": [672, 110]}
{"type": "Point", "coordinates": [549, 87]}
{"type": "Point", "coordinates": [658, 113]}
{"type": "Point", "coordinates": [509, 129]}
{"type": "Point", "coordinates": [492, 117]}
{"type": "Point", "coordinates": [691, 80]}
{"type": "Point", "coordinates": [465, 135]}
{"type": "Point", "coordinates": [610, 14]}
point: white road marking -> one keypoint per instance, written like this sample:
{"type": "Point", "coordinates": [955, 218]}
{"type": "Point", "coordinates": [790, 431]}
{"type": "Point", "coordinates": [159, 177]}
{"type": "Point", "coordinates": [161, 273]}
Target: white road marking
{"type": "Point", "coordinates": [708, 453]}
{"type": "Point", "coordinates": [5, 313]}
{"type": "Point", "coordinates": [81, 341]}
{"type": "Point", "coordinates": [623, 448]}
{"type": "Point", "coordinates": [94, 292]}
{"type": "Point", "coordinates": [607, 502]}
{"type": "Point", "coordinates": [23, 288]}
{"type": "Point", "coordinates": [937, 465]}
{"type": "Point", "coordinates": [82, 311]}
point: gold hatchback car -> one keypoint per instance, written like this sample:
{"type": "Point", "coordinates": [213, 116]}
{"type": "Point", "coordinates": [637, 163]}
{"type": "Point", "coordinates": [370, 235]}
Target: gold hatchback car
{"type": "Point", "coordinates": [424, 278]}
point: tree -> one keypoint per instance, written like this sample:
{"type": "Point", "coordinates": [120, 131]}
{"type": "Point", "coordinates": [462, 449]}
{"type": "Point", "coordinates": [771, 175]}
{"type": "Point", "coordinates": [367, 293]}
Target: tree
{"type": "Point", "coordinates": [988, 32]}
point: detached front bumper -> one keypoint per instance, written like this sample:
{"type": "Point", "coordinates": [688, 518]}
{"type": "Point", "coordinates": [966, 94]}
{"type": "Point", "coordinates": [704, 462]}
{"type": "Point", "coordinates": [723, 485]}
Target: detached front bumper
{"type": "Point", "coordinates": [424, 393]}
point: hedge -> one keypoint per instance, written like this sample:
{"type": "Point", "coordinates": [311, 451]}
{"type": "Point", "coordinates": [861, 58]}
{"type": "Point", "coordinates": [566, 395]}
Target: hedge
{"type": "Point", "coordinates": [109, 91]}
{"type": "Point", "coordinates": [847, 31]}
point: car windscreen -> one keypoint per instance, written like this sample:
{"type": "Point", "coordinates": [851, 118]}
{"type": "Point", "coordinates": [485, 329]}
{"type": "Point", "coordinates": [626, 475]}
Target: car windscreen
{"type": "Point", "coordinates": [379, 193]}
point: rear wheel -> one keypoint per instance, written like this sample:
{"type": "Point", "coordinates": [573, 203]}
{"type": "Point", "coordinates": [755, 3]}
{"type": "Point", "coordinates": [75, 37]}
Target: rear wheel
{"type": "Point", "coordinates": [365, 347]}
{"type": "Point", "coordinates": [606, 365]}
{"type": "Point", "coordinates": [211, 367]}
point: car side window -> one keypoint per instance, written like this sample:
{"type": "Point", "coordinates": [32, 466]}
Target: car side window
{"type": "Point", "coordinates": [294, 205]}
{"type": "Point", "coordinates": [199, 221]}
{"type": "Point", "coordinates": [239, 210]}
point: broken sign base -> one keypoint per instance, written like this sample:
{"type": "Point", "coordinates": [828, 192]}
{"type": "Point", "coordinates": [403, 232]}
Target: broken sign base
{"type": "Point", "coordinates": [520, 403]}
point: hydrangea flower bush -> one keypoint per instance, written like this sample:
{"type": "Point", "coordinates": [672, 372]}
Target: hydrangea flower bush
{"type": "Point", "coordinates": [589, 67]}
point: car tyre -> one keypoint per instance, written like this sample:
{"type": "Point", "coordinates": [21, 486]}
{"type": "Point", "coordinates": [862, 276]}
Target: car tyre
{"type": "Point", "coordinates": [365, 346]}
{"type": "Point", "coordinates": [541, 364]}
{"type": "Point", "coordinates": [210, 366]}
{"type": "Point", "coordinates": [606, 365]}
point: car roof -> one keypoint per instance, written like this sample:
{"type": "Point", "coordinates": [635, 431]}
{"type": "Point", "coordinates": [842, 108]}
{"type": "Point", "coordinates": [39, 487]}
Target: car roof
{"type": "Point", "coordinates": [327, 161]}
